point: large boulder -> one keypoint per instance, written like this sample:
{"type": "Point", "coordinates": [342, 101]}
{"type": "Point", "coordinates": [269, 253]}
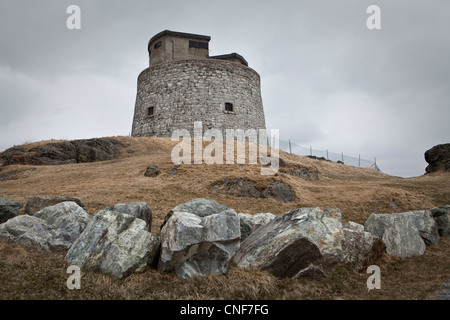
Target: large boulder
{"type": "Point", "coordinates": [442, 217]}
{"type": "Point", "coordinates": [115, 243]}
{"type": "Point", "coordinates": [201, 207]}
{"type": "Point", "coordinates": [251, 222]}
{"type": "Point", "coordinates": [201, 241]}
{"type": "Point", "coordinates": [54, 228]}
{"type": "Point", "coordinates": [302, 242]}
{"type": "Point", "coordinates": [360, 247]}
{"type": "Point", "coordinates": [438, 158]}
{"type": "Point", "coordinates": [36, 203]}
{"type": "Point", "coordinates": [139, 210]}
{"type": "Point", "coordinates": [68, 218]}
{"type": "Point", "coordinates": [9, 209]}
{"type": "Point", "coordinates": [404, 234]}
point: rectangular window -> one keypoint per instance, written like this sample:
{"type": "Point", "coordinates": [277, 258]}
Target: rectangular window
{"type": "Point", "coordinates": [228, 106]}
{"type": "Point", "coordinates": [150, 111]}
{"type": "Point", "coordinates": [158, 44]}
{"type": "Point", "coordinates": [198, 44]}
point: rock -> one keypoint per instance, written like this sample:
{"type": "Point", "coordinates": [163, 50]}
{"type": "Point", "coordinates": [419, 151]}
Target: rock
{"type": "Point", "coordinates": [237, 187]}
{"type": "Point", "coordinates": [139, 210]}
{"type": "Point", "coordinates": [438, 158]}
{"type": "Point", "coordinates": [31, 233]}
{"type": "Point", "coordinates": [442, 217]}
{"type": "Point", "coordinates": [37, 203]}
{"type": "Point", "coordinates": [114, 243]}
{"type": "Point", "coordinates": [240, 187]}
{"type": "Point", "coordinates": [152, 170]}
{"type": "Point", "coordinates": [251, 222]}
{"type": "Point", "coordinates": [360, 247]}
{"type": "Point", "coordinates": [68, 218]}
{"type": "Point", "coordinates": [53, 228]}
{"type": "Point", "coordinates": [302, 242]}
{"type": "Point", "coordinates": [194, 245]}
{"type": "Point", "coordinates": [9, 209]}
{"type": "Point", "coordinates": [201, 207]}
{"type": "Point", "coordinates": [304, 173]}
{"type": "Point", "coordinates": [279, 191]}
{"type": "Point", "coordinates": [57, 153]}
{"type": "Point", "coordinates": [174, 170]}
{"type": "Point", "coordinates": [404, 234]}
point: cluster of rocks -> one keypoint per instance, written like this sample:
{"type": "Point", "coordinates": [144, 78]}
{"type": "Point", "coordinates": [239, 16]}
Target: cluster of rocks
{"type": "Point", "coordinates": [203, 237]}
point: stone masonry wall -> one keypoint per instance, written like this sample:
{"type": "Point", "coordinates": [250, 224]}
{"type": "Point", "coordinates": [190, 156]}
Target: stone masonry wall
{"type": "Point", "coordinates": [184, 91]}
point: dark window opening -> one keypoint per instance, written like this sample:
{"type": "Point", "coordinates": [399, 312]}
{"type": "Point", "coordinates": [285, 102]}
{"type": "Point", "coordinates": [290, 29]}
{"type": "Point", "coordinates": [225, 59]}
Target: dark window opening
{"type": "Point", "coordinates": [150, 111]}
{"type": "Point", "coordinates": [198, 44]}
{"type": "Point", "coordinates": [228, 106]}
{"type": "Point", "coordinates": [158, 44]}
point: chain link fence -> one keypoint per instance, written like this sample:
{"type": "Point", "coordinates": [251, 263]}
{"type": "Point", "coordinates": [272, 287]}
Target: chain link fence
{"type": "Point", "coordinates": [294, 148]}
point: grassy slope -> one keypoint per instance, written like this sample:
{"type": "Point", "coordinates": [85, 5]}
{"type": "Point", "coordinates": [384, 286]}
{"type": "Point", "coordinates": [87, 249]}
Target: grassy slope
{"type": "Point", "coordinates": [357, 192]}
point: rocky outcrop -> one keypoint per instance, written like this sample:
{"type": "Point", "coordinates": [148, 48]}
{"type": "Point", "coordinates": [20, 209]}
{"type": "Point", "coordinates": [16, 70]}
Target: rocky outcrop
{"type": "Point", "coordinates": [56, 153]}
{"type": "Point", "coordinates": [302, 242]}
{"type": "Point", "coordinates": [115, 243]}
{"type": "Point", "coordinates": [251, 222]}
{"type": "Point", "coordinates": [438, 158]}
{"type": "Point", "coordinates": [199, 241]}
{"type": "Point", "coordinates": [52, 229]}
{"type": "Point", "coordinates": [442, 217]}
{"type": "Point", "coordinates": [37, 203]}
{"type": "Point", "coordinates": [404, 234]}
{"type": "Point", "coordinates": [240, 187]}
{"type": "Point", "coordinates": [9, 209]}
{"type": "Point", "coordinates": [359, 247]}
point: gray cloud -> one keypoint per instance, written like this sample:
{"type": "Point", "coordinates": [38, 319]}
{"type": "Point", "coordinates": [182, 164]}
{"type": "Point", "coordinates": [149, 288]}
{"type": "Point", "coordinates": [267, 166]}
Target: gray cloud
{"type": "Point", "coordinates": [327, 81]}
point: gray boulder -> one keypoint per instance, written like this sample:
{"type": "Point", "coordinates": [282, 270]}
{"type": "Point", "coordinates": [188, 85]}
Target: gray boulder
{"type": "Point", "coordinates": [302, 242]}
{"type": "Point", "coordinates": [36, 203]}
{"type": "Point", "coordinates": [201, 207]}
{"type": "Point", "coordinates": [360, 247]}
{"type": "Point", "coordinates": [251, 222]}
{"type": "Point", "coordinates": [68, 218]}
{"type": "Point", "coordinates": [139, 210]}
{"type": "Point", "coordinates": [198, 243]}
{"type": "Point", "coordinates": [114, 243]}
{"type": "Point", "coordinates": [31, 233]}
{"type": "Point", "coordinates": [442, 217]}
{"type": "Point", "coordinates": [9, 209]}
{"type": "Point", "coordinates": [54, 228]}
{"type": "Point", "coordinates": [404, 234]}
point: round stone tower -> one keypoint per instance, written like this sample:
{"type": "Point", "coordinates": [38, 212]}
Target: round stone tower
{"type": "Point", "coordinates": [184, 84]}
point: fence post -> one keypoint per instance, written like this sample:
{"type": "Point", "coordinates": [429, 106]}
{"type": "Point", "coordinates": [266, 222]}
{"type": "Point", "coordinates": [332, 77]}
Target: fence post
{"type": "Point", "coordinates": [342, 156]}
{"type": "Point", "coordinates": [310, 150]}
{"type": "Point", "coordinates": [290, 150]}
{"type": "Point", "coordinates": [327, 155]}
{"type": "Point", "coordinates": [359, 160]}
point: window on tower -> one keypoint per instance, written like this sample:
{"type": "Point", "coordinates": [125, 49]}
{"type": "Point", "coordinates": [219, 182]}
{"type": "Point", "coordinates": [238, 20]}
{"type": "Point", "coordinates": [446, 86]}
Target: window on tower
{"type": "Point", "coordinates": [229, 107]}
{"type": "Point", "coordinates": [150, 111]}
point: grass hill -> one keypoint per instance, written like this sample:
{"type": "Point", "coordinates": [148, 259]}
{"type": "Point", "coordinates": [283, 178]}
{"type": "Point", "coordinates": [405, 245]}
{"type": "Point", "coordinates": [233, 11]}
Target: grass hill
{"type": "Point", "coordinates": [357, 192]}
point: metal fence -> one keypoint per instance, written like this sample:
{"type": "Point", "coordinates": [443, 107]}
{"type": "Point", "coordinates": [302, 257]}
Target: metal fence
{"type": "Point", "coordinates": [294, 148]}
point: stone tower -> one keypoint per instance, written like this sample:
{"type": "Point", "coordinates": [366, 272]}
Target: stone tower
{"type": "Point", "coordinates": [183, 84]}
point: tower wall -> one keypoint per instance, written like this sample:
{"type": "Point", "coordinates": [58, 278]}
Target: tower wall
{"type": "Point", "coordinates": [174, 94]}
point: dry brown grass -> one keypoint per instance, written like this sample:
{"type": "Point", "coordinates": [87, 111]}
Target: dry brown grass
{"type": "Point", "coordinates": [357, 192]}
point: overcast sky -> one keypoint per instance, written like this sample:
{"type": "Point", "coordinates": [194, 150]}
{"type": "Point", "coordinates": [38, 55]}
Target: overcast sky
{"type": "Point", "coordinates": [327, 80]}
